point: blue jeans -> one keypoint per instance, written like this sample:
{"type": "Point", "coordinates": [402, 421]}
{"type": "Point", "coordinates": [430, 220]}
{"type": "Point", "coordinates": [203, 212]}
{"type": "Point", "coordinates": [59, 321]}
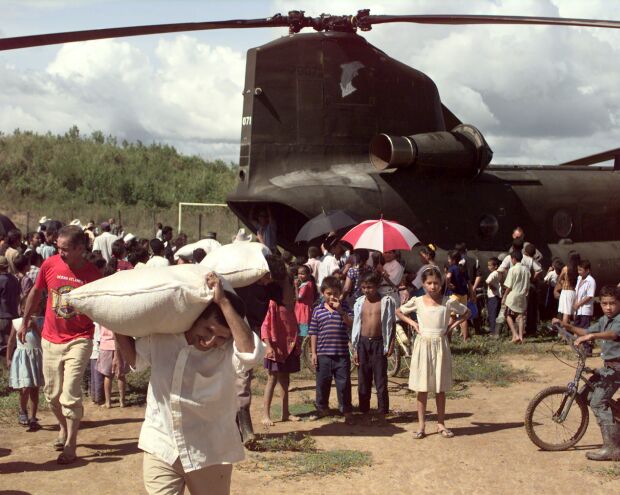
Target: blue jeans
{"type": "Point", "coordinates": [493, 306]}
{"type": "Point", "coordinates": [339, 368]}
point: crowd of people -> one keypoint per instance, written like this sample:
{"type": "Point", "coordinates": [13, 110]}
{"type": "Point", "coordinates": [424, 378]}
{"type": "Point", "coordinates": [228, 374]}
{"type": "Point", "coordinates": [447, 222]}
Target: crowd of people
{"type": "Point", "coordinates": [349, 302]}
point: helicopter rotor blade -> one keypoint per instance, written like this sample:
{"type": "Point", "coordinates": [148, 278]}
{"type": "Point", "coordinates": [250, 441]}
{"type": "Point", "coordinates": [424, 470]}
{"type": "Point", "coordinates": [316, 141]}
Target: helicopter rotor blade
{"type": "Point", "coordinates": [295, 21]}
{"type": "Point", "coordinates": [594, 159]}
{"type": "Point", "coordinates": [489, 19]}
{"type": "Point", "coordinates": [98, 34]}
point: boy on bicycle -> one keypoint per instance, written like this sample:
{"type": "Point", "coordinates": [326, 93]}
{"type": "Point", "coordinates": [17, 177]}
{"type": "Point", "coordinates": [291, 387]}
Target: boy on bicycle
{"type": "Point", "coordinates": [607, 381]}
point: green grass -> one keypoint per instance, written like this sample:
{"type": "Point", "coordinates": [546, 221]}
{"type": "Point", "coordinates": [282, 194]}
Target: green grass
{"type": "Point", "coordinates": [291, 442]}
{"type": "Point", "coordinates": [487, 369]}
{"type": "Point", "coordinates": [294, 457]}
{"type": "Point", "coordinates": [611, 473]}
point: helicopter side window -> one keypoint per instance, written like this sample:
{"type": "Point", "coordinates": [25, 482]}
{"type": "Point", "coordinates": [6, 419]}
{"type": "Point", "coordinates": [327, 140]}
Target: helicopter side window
{"type": "Point", "coordinates": [488, 227]}
{"type": "Point", "coordinates": [562, 223]}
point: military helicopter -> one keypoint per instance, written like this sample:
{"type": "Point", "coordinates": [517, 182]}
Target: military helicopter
{"type": "Point", "coordinates": [331, 122]}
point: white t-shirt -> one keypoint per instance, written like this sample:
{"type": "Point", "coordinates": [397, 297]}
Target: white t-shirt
{"type": "Point", "coordinates": [585, 288]}
{"type": "Point", "coordinates": [395, 271]}
{"type": "Point", "coordinates": [156, 261]}
{"type": "Point", "coordinates": [329, 264]}
{"type": "Point", "coordinates": [104, 243]}
{"type": "Point", "coordinates": [493, 284]}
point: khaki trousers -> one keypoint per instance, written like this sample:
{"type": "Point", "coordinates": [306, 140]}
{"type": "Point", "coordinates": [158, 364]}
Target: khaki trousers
{"type": "Point", "coordinates": [160, 478]}
{"type": "Point", "coordinates": [63, 370]}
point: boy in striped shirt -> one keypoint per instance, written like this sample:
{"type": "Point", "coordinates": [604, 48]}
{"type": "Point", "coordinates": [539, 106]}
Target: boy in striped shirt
{"type": "Point", "coordinates": [329, 330]}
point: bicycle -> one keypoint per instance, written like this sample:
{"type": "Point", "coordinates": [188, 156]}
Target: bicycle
{"type": "Point", "coordinates": [402, 350]}
{"type": "Point", "coordinates": [551, 421]}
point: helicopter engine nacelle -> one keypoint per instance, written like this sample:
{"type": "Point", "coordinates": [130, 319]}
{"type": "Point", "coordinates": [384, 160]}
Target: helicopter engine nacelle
{"type": "Point", "coordinates": [460, 152]}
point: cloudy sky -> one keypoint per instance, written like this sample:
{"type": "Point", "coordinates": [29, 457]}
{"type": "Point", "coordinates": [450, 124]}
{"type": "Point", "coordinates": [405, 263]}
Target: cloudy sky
{"type": "Point", "coordinates": [538, 94]}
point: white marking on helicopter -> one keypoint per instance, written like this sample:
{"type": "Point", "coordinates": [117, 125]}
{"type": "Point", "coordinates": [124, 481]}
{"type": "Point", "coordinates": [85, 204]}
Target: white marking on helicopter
{"type": "Point", "coordinates": [349, 71]}
{"type": "Point", "coordinates": [347, 175]}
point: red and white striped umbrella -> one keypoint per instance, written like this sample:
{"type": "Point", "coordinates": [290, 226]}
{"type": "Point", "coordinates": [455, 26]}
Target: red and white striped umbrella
{"type": "Point", "coordinates": [381, 235]}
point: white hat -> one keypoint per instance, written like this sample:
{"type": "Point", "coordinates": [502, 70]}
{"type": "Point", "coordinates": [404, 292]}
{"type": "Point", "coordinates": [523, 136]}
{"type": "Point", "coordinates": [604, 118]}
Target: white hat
{"type": "Point", "coordinates": [43, 219]}
{"type": "Point", "coordinates": [76, 221]}
{"type": "Point", "coordinates": [129, 237]}
{"type": "Point", "coordinates": [242, 236]}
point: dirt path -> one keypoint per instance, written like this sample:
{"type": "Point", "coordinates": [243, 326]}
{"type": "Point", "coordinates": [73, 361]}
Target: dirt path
{"type": "Point", "coordinates": [490, 454]}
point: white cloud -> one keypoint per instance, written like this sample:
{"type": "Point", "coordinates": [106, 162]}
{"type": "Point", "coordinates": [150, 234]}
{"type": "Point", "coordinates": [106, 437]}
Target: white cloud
{"type": "Point", "coordinates": [539, 94]}
{"type": "Point", "coordinates": [187, 94]}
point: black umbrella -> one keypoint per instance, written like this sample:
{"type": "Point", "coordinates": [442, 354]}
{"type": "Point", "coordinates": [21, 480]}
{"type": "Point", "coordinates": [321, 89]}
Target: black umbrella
{"type": "Point", "coordinates": [324, 223]}
{"type": "Point", "coordinates": [6, 225]}
{"type": "Point", "coordinates": [52, 224]}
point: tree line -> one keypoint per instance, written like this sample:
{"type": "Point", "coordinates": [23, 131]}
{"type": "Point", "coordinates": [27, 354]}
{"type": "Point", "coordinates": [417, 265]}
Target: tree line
{"type": "Point", "coordinates": [96, 169]}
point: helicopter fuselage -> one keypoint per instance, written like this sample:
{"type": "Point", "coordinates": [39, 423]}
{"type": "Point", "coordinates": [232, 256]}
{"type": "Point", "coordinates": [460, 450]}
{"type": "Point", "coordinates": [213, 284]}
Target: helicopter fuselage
{"type": "Point", "coordinates": [312, 104]}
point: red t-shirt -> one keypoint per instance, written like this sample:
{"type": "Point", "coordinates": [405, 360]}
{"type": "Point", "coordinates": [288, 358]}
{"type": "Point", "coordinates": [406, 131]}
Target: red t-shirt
{"type": "Point", "coordinates": [62, 322]}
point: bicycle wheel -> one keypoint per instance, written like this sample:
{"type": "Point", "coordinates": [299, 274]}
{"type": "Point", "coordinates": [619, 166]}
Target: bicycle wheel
{"type": "Point", "coordinates": [306, 354]}
{"type": "Point", "coordinates": [548, 433]}
{"type": "Point", "coordinates": [393, 362]}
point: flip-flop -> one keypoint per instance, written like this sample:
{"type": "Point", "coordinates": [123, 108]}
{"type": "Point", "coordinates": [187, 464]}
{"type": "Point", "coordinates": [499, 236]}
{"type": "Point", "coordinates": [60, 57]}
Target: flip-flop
{"type": "Point", "coordinates": [65, 460]}
{"type": "Point", "coordinates": [59, 444]}
{"type": "Point", "coordinates": [23, 419]}
{"type": "Point", "coordinates": [419, 435]}
{"type": "Point", "coordinates": [446, 433]}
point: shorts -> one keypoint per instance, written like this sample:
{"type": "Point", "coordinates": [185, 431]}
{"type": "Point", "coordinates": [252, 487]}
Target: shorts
{"type": "Point", "coordinates": [104, 363]}
{"type": "Point", "coordinates": [462, 298]}
{"type": "Point", "coordinates": [513, 314]}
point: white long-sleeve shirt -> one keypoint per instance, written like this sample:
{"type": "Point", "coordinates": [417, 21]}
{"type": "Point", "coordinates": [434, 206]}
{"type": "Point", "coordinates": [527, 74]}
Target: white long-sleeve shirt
{"type": "Point", "coordinates": [191, 402]}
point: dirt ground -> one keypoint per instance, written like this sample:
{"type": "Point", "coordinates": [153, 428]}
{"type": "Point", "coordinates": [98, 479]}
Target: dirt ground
{"type": "Point", "coordinates": [490, 453]}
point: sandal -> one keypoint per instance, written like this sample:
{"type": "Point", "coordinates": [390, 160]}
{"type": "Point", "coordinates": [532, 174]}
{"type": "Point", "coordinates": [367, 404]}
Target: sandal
{"type": "Point", "coordinates": [419, 435]}
{"type": "Point", "coordinates": [23, 418]}
{"type": "Point", "coordinates": [446, 433]}
{"type": "Point", "coordinates": [65, 460]}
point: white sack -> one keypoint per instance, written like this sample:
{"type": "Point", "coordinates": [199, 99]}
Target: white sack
{"type": "Point", "coordinates": [142, 302]}
{"type": "Point", "coordinates": [186, 251]}
{"type": "Point", "coordinates": [240, 263]}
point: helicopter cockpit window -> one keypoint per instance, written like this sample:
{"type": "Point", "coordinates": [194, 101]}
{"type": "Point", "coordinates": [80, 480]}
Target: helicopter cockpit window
{"type": "Point", "coordinates": [488, 226]}
{"type": "Point", "coordinates": [562, 223]}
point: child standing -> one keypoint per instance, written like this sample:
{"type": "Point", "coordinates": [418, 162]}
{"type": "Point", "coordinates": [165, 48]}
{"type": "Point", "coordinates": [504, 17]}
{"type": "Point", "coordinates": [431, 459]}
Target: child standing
{"type": "Point", "coordinates": [458, 283]}
{"type": "Point", "coordinates": [96, 379]}
{"type": "Point", "coordinates": [280, 334]}
{"type": "Point", "coordinates": [305, 295]}
{"type": "Point", "coordinates": [329, 333]}
{"type": "Point", "coordinates": [373, 342]}
{"type": "Point", "coordinates": [431, 361]}
{"type": "Point", "coordinates": [110, 364]}
{"type": "Point", "coordinates": [517, 285]}
{"type": "Point", "coordinates": [26, 369]}
{"type": "Point", "coordinates": [493, 294]}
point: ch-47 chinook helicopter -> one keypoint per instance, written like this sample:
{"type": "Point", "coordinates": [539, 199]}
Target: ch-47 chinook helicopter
{"type": "Point", "coordinates": [331, 122]}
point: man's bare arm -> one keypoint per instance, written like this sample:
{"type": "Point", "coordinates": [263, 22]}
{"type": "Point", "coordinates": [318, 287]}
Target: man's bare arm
{"type": "Point", "coordinates": [127, 347]}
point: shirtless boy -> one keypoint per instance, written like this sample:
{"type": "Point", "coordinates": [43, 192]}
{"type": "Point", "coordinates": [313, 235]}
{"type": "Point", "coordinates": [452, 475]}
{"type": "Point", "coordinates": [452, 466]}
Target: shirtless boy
{"type": "Point", "coordinates": [373, 342]}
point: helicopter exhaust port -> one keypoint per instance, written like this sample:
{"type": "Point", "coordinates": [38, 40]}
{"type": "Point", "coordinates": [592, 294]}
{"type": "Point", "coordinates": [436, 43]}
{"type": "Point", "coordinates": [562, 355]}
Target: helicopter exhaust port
{"type": "Point", "coordinates": [462, 152]}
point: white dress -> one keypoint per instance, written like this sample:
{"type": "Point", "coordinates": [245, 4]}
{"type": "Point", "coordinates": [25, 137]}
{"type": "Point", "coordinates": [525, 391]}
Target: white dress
{"type": "Point", "coordinates": [566, 302]}
{"type": "Point", "coordinates": [431, 360]}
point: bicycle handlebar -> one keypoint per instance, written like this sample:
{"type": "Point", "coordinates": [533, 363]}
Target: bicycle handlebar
{"type": "Point", "coordinates": [570, 339]}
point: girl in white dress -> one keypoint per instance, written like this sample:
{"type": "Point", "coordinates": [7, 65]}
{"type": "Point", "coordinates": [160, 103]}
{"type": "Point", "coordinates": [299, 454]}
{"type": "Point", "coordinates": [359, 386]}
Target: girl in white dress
{"type": "Point", "coordinates": [431, 360]}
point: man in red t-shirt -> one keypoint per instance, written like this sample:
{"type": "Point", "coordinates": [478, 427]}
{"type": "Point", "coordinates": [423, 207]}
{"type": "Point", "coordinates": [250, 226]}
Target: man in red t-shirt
{"type": "Point", "coordinates": [67, 335]}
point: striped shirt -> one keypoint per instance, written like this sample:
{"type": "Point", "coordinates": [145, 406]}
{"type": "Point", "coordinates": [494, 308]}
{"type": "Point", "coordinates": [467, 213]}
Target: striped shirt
{"type": "Point", "coordinates": [331, 331]}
